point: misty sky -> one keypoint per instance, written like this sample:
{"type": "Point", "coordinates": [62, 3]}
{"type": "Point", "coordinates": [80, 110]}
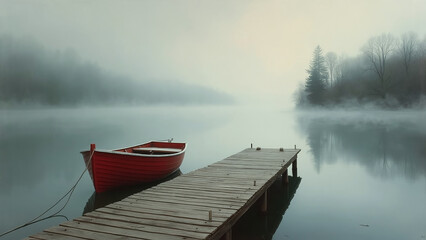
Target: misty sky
{"type": "Point", "coordinates": [257, 51]}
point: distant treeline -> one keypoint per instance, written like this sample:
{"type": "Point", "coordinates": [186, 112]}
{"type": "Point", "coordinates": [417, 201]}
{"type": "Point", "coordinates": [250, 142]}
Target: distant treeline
{"type": "Point", "coordinates": [390, 72]}
{"type": "Point", "coordinates": [30, 74]}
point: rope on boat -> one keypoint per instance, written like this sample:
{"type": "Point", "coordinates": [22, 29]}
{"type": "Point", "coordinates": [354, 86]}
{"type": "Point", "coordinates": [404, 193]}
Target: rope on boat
{"type": "Point", "coordinates": [56, 214]}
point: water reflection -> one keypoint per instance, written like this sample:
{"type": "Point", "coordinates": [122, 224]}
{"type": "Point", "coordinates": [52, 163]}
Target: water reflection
{"type": "Point", "coordinates": [387, 146]}
{"type": "Point", "coordinates": [40, 147]}
{"type": "Point", "coordinates": [98, 200]}
{"type": "Point", "coordinates": [254, 225]}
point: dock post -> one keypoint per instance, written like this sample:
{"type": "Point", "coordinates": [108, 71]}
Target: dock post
{"type": "Point", "coordinates": [294, 167]}
{"type": "Point", "coordinates": [264, 205]}
{"type": "Point", "coordinates": [285, 177]}
{"type": "Point", "coordinates": [228, 235]}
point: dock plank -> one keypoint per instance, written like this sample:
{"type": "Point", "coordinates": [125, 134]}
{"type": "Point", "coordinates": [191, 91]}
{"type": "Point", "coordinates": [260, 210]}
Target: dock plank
{"type": "Point", "coordinates": [151, 215]}
{"type": "Point", "coordinates": [85, 234]}
{"type": "Point", "coordinates": [205, 198]}
{"type": "Point", "coordinates": [189, 202]}
{"type": "Point", "coordinates": [186, 211]}
{"type": "Point", "coordinates": [119, 231]}
{"type": "Point", "coordinates": [208, 201]}
{"type": "Point", "coordinates": [153, 222]}
{"type": "Point", "coordinates": [163, 231]}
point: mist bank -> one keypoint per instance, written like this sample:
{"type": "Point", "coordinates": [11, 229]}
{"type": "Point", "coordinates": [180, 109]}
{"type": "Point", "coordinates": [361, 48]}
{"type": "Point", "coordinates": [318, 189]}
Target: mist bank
{"type": "Point", "coordinates": [386, 143]}
{"type": "Point", "coordinates": [390, 72]}
{"type": "Point", "coordinates": [32, 75]}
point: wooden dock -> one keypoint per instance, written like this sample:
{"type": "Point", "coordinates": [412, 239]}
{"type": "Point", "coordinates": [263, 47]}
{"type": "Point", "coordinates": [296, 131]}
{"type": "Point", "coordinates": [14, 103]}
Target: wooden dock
{"type": "Point", "coordinates": [203, 204]}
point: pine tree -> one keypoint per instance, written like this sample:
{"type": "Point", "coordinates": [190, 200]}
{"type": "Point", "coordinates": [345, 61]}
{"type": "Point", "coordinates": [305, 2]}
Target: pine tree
{"type": "Point", "coordinates": [316, 81]}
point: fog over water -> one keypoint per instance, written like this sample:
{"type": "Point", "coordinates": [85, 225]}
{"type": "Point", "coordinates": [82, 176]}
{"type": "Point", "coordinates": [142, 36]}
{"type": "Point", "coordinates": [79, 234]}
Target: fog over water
{"type": "Point", "coordinates": [31, 75]}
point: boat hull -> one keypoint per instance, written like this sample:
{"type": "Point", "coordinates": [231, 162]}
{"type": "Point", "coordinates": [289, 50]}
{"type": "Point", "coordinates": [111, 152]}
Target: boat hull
{"type": "Point", "coordinates": [125, 167]}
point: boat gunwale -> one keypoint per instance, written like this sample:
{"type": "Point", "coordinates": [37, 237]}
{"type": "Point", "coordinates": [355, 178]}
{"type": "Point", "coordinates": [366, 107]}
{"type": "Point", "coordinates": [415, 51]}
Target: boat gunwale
{"type": "Point", "coordinates": [139, 154]}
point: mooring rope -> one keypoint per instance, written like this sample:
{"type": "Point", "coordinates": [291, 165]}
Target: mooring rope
{"type": "Point", "coordinates": [56, 214]}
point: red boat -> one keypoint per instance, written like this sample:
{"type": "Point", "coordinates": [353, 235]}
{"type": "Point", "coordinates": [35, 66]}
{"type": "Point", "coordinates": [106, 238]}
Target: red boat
{"type": "Point", "coordinates": [132, 165]}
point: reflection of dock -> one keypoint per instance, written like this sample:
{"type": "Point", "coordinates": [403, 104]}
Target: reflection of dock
{"type": "Point", "coordinates": [203, 204]}
{"type": "Point", "coordinates": [255, 225]}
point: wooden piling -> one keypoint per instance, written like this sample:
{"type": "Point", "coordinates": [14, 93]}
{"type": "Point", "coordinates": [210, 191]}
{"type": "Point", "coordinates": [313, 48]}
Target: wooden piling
{"type": "Point", "coordinates": [294, 167]}
{"type": "Point", "coordinates": [228, 235]}
{"type": "Point", "coordinates": [285, 177]}
{"type": "Point", "coordinates": [264, 204]}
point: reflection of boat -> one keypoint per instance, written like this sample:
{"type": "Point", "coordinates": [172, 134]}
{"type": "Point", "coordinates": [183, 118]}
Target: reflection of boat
{"type": "Point", "coordinates": [132, 165]}
{"type": "Point", "coordinates": [255, 225]}
{"type": "Point", "coordinates": [98, 200]}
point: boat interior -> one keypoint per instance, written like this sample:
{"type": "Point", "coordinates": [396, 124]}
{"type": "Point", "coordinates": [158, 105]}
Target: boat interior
{"type": "Point", "coordinates": [153, 150]}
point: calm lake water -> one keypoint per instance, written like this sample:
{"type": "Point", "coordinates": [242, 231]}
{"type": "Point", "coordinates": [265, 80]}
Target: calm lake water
{"type": "Point", "coordinates": [362, 174]}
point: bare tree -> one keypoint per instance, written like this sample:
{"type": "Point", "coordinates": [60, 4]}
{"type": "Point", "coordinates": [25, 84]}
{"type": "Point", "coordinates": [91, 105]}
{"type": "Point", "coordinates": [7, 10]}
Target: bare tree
{"type": "Point", "coordinates": [339, 70]}
{"type": "Point", "coordinates": [331, 61]}
{"type": "Point", "coordinates": [407, 48]}
{"type": "Point", "coordinates": [377, 51]}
